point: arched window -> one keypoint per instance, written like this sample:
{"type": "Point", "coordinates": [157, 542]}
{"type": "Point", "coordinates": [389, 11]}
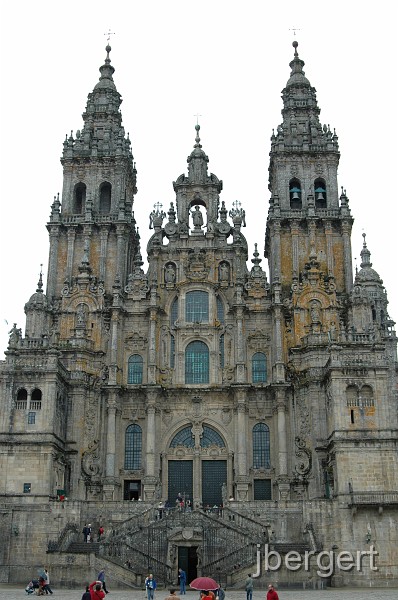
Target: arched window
{"type": "Point", "coordinates": [22, 399]}
{"type": "Point", "coordinates": [210, 437]}
{"type": "Point", "coordinates": [220, 310]}
{"type": "Point", "coordinates": [197, 363]}
{"type": "Point", "coordinates": [352, 395]}
{"type": "Point", "coordinates": [259, 368]}
{"type": "Point", "coordinates": [105, 198]}
{"type": "Point", "coordinates": [366, 396]}
{"type": "Point", "coordinates": [79, 198]}
{"type": "Point", "coordinates": [197, 307]}
{"type": "Point", "coordinates": [295, 194]}
{"type": "Point", "coordinates": [320, 193]}
{"type": "Point", "coordinates": [261, 446]}
{"type": "Point", "coordinates": [135, 369]}
{"type": "Point", "coordinates": [174, 312]}
{"type": "Point", "coordinates": [35, 400]}
{"type": "Point", "coordinates": [133, 448]}
{"type": "Point", "coordinates": [183, 438]}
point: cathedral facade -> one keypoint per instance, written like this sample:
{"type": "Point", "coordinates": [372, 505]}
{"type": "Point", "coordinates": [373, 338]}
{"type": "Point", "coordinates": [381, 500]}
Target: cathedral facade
{"type": "Point", "coordinates": [200, 376]}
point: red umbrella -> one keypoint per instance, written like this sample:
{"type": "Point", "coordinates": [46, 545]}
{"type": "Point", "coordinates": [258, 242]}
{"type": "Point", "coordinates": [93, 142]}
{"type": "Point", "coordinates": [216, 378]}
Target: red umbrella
{"type": "Point", "coordinates": [204, 583]}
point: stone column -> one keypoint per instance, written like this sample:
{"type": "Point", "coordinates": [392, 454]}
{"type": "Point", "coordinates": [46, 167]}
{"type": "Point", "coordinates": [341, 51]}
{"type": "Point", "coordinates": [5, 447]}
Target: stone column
{"type": "Point", "coordinates": [152, 339]}
{"type": "Point", "coordinates": [150, 454]}
{"type": "Point", "coordinates": [53, 261]}
{"type": "Point", "coordinates": [121, 253]}
{"type": "Point", "coordinates": [242, 481]}
{"type": "Point", "coordinates": [283, 482]}
{"type": "Point", "coordinates": [111, 438]}
{"type": "Point", "coordinates": [103, 250]}
{"type": "Point", "coordinates": [275, 263]}
{"type": "Point", "coordinates": [70, 252]}
{"type": "Point", "coordinates": [329, 247]}
{"type": "Point", "coordinates": [346, 227]}
{"type": "Point", "coordinates": [279, 368]}
{"type": "Point", "coordinates": [295, 230]}
{"type": "Point", "coordinates": [240, 353]}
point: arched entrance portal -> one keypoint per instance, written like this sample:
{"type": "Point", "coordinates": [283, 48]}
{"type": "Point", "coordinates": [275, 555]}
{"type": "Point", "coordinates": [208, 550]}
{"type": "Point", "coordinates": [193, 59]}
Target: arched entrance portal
{"type": "Point", "coordinates": [197, 469]}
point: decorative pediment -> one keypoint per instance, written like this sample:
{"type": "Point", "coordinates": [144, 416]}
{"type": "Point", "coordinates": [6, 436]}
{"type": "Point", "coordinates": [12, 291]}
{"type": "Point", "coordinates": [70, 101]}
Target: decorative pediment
{"type": "Point", "coordinates": [135, 341]}
{"type": "Point", "coordinates": [258, 340]}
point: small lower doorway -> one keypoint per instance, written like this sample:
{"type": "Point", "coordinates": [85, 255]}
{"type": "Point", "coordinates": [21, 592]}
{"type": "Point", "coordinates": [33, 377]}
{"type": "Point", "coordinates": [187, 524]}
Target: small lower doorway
{"type": "Point", "coordinates": [188, 561]}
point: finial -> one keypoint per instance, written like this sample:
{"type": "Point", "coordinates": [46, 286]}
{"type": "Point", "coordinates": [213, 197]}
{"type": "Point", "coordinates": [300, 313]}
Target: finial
{"type": "Point", "coordinates": [197, 118]}
{"type": "Point", "coordinates": [197, 138]}
{"type": "Point", "coordinates": [295, 44]}
{"type": "Point", "coordinates": [364, 240]}
{"type": "Point", "coordinates": [40, 283]}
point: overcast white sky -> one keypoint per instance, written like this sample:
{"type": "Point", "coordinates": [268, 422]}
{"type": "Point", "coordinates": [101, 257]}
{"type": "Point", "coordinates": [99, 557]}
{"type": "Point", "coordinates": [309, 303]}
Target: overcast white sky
{"type": "Point", "coordinates": [227, 61]}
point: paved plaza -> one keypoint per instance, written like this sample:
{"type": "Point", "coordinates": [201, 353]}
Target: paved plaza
{"type": "Point", "coordinates": [13, 592]}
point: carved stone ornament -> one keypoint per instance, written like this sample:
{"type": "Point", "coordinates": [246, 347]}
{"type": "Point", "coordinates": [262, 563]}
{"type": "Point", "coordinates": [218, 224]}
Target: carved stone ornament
{"type": "Point", "coordinates": [196, 267]}
{"type": "Point", "coordinates": [90, 463]}
{"type": "Point", "coordinates": [304, 465]}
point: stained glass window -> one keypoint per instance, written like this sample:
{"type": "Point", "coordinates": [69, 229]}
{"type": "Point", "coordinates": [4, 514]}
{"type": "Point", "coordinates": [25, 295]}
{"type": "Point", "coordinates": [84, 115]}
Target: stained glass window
{"type": "Point", "coordinates": [261, 446]}
{"type": "Point", "coordinates": [133, 447]}
{"type": "Point", "coordinates": [259, 368]}
{"type": "Point", "coordinates": [220, 310]}
{"type": "Point", "coordinates": [174, 312]}
{"type": "Point", "coordinates": [197, 307]}
{"type": "Point", "coordinates": [183, 438]}
{"type": "Point", "coordinates": [135, 369]}
{"type": "Point", "coordinates": [197, 363]}
{"type": "Point", "coordinates": [210, 437]}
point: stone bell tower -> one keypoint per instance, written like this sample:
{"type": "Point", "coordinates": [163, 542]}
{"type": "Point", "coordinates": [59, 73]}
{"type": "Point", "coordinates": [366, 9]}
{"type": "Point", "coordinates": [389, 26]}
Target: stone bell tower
{"type": "Point", "coordinates": [308, 230]}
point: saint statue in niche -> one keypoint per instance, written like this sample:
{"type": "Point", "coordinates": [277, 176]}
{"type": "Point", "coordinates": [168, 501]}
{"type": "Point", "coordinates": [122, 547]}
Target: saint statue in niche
{"type": "Point", "coordinates": [223, 272]}
{"type": "Point", "coordinates": [170, 273]}
{"type": "Point", "coordinates": [197, 218]}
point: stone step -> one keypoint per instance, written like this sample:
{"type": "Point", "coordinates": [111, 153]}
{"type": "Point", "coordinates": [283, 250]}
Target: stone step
{"type": "Point", "coordinates": [83, 547]}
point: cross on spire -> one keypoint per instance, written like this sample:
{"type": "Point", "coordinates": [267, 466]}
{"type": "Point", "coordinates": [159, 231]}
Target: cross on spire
{"type": "Point", "coordinates": [197, 118]}
{"type": "Point", "coordinates": [109, 33]}
{"type": "Point", "coordinates": [294, 29]}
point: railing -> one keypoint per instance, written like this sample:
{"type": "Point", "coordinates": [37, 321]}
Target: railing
{"type": "Point", "coordinates": [68, 535]}
{"type": "Point", "coordinates": [238, 559]}
{"type": "Point", "coordinates": [373, 498]}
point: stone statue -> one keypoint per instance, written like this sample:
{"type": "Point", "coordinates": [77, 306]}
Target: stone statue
{"type": "Point", "coordinates": [170, 274]}
{"type": "Point", "coordinates": [15, 336]}
{"type": "Point", "coordinates": [197, 218]}
{"type": "Point", "coordinates": [315, 312]}
{"type": "Point", "coordinates": [81, 315]}
{"type": "Point", "coordinates": [223, 272]}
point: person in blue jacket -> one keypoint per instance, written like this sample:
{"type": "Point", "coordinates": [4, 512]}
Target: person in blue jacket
{"type": "Point", "coordinates": [182, 576]}
{"type": "Point", "coordinates": [150, 586]}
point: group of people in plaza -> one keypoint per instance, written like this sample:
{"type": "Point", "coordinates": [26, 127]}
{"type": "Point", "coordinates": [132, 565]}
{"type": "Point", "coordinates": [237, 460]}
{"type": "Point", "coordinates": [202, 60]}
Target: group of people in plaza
{"type": "Point", "coordinates": [41, 585]}
{"type": "Point", "coordinates": [272, 594]}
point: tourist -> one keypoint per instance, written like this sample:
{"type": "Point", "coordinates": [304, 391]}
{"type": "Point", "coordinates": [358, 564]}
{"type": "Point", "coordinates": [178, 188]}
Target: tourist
{"type": "Point", "coordinates": [150, 586]}
{"type": "Point", "coordinates": [249, 587]}
{"type": "Point", "coordinates": [101, 578]}
{"type": "Point", "coordinates": [272, 594]}
{"type": "Point", "coordinates": [96, 591]}
{"type": "Point", "coordinates": [172, 595]}
{"type": "Point", "coordinates": [182, 576]}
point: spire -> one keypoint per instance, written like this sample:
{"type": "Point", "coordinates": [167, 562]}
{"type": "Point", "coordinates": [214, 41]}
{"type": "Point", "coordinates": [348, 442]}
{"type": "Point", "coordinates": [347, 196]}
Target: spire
{"type": "Point", "coordinates": [107, 70]}
{"type": "Point", "coordinates": [366, 273]}
{"type": "Point", "coordinates": [197, 161]}
{"type": "Point", "coordinates": [301, 128]}
{"type": "Point", "coordinates": [103, 133]}
{"type": "Point", "coordinates": [40, 282]}
{"type": "Point", "coordinates": [365, 254]}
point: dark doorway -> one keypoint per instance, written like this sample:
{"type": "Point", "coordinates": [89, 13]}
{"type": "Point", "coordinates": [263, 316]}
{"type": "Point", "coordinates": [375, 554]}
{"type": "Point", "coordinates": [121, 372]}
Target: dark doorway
{"type": "Point", "coordinates": [180, 480]}
{"type": "Point", "coordinates": [188, 562]}
{"type": "Point", "coordinates": [132, 490]}
{"type": "Point", "coordinates": [214, 474]}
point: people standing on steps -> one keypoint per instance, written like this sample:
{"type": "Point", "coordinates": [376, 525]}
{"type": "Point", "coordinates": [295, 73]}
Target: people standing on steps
{"type": "Point", "coordinates": [150, 586]}
{"type": "Point", "coordinates": [249, 587]}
